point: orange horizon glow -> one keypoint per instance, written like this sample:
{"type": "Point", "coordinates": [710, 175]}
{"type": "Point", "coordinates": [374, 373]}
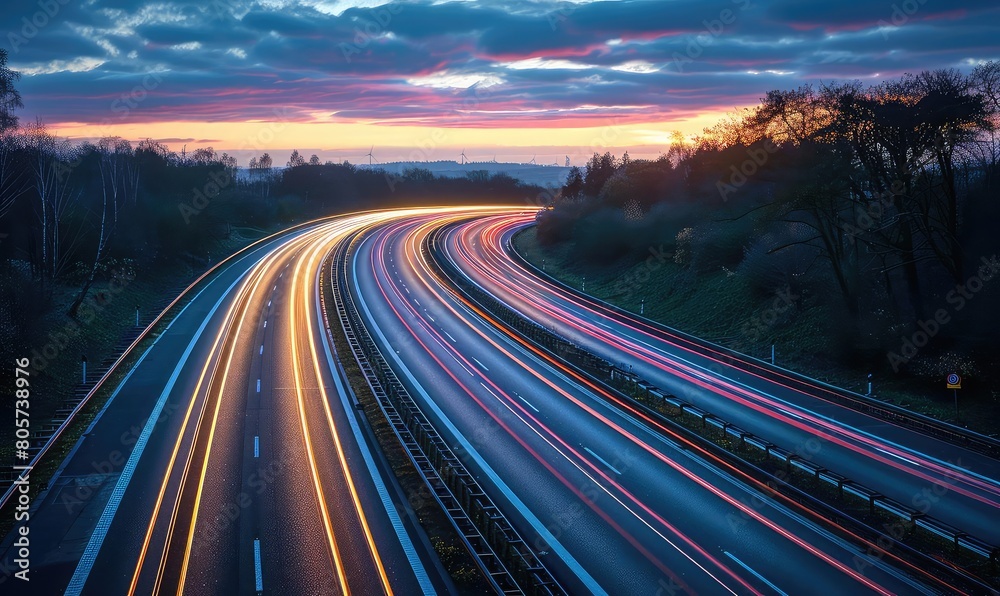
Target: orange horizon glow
{"type": "Point", "coordinates": [399, 142]}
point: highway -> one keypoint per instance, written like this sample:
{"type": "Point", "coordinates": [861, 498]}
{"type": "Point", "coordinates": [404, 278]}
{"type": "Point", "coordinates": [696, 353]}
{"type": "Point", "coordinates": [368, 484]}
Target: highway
{"type": "Point", "coordinates": [953, 484]}
{"type": "Point", "coordinates": [597, 489]}
{"type": "Point", "coordinates": [232, 459]}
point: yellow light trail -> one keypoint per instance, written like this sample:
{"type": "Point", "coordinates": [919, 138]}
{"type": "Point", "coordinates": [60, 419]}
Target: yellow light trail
{"type": "Point", "coordinates": [230, 313]}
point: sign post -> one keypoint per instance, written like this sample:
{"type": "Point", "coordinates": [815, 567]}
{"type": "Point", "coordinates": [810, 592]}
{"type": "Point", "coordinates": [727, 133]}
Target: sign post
{"type": "Point", "coordinates": [954, 382]}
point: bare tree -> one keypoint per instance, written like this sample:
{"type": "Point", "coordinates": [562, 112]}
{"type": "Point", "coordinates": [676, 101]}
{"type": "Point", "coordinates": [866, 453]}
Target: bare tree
{"type": "Point", "coordinates": [119, 186]}
{"type": "Point", "coordinates": [15, 179]}
{"type": "Point", "coordinates": [119, 172]}
{"type": "Point", "coordinates": [53, 163]}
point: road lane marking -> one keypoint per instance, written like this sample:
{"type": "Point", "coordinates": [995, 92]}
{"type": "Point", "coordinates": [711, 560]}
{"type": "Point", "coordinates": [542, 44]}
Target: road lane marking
{"type": "Point", "coordinates": [525, 401]}
{"type": "Point", "coordinates": [543, 531]}
{"type": "Point", "coordinates": [265, 324]}
{"type": "Point", "coordinates": [891, 454]}
{"type": "Point", "coordinates": [256, 446]}
{"type": "Point", "coordinates": [480, 364]}
{"type": "Point", "coordinates": [417, 302]}
{"type": "Point", "coordinates": [453, 340]}
{"type": "Point", "coordinates": [258, 573]}
{"type": "Point", "coordinates": [258, 385]}
{"type": "Point", "coordinates": [602, 460]}
{"type": "Point", "coordinates": [413, 558]}
{"type": "Point", "coordinates": [86, 563]}
{"type": "Point", "coordinates": [787, 413]}
{"type": "Point", "coordinates": [759, 576]}
{"type": "Point", "coordinates": [268, 303]}
{"type": "Point", "coordinates": [262, 349]}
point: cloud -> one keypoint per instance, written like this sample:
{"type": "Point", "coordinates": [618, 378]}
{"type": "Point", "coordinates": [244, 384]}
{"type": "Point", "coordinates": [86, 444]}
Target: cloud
{"type": "Point", "coordinates": [464, 63]}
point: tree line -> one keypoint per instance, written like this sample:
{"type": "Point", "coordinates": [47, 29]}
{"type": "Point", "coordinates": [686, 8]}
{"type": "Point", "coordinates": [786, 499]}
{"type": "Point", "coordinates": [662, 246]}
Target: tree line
{"type": "Point", "coordinates": [76, 214]}
{"type": "Point", "coordinates": [881, 195]}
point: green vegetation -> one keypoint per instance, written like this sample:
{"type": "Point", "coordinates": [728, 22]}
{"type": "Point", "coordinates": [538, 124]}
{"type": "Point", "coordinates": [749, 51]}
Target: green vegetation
{"type": "Point", "coordinates": [850, 226]}
{"type": "Point", "coordinates": [721, 308]}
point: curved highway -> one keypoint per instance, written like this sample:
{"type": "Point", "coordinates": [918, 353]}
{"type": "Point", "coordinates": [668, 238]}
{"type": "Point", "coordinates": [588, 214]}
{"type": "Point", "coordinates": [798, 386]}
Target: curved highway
{"type": "Point", "coordinates": [231, 459]}
{"type": "Point", "coordinates": [953, 484]}
{"type": "Point", "coordinates": [596, 489]}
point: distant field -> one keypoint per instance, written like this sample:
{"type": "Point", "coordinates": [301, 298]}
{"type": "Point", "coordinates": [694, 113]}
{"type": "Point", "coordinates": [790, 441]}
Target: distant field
{"type": "Point", "coordinates": [719, 308]}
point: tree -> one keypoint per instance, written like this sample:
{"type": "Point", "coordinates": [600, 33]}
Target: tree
{"type": "Point", "coordinates": [574, 184]}
{"type": "Point", "coordinates": [53, 164]}
{"type": "Point", "coordinates": [295, 160]}
{"type": "Point", "coordinates": [789, 116]}
{"type": "Point", "coordinates": [228, 162]}
{"type": "Point", "coordinates": [119, 172]}
{"type": "Point", "coordinates": [204, 156]}
{"type": "Point", "coordinates": [314, 160]}
{"type": "Point", "coordinates": [14, 176]}
{"type": "Point", "coordinates": [265, 163]}
{"type": "Point", "coordinates": [599, 169]}
{"type": "Point", "coordinates": [10, 99]}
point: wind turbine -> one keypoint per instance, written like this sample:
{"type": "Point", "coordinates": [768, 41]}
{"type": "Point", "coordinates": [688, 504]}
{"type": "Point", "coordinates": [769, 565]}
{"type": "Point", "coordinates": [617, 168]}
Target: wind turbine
{"type": "Point", "coordinates": [532, 162]}
{"type": "Point", "coordinates": [494, 158]}
{"type": "Point", "coordinates": [464, 158]}
{"type": "Point", "coordinates": [371, 157]}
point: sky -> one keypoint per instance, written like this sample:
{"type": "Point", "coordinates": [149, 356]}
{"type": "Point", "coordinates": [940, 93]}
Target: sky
{"type": "Point", "coordinates": [423, 80]}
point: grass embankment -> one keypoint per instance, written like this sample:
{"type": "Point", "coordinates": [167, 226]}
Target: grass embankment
{"type": "Point", "coordinates": [719, 307]}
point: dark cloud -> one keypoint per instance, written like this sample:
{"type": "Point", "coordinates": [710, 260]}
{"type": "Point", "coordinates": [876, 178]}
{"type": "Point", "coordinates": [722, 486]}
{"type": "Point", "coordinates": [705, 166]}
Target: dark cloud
{"type": "Point", "coordinates": [456, 63]}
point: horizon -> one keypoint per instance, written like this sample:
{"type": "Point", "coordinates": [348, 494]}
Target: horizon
{"type": "Point", "coordinates": [424, 80]}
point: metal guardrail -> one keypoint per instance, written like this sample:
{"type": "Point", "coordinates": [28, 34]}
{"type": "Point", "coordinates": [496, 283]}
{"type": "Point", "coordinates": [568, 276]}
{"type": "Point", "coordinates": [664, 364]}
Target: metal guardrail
{"type": "Point", "coordinates": [938, 429]}
{"type": "Point", "coordinates": [626, 385]}
{"type": "Point", "coordinates": [160, 318]}
{"type": "Point", "coordinates": [502, 555]}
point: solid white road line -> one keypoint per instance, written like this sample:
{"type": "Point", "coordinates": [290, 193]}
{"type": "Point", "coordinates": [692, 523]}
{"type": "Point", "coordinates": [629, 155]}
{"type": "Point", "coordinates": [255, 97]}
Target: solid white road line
{"type": "Point", "coordinates": [86, 563]}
